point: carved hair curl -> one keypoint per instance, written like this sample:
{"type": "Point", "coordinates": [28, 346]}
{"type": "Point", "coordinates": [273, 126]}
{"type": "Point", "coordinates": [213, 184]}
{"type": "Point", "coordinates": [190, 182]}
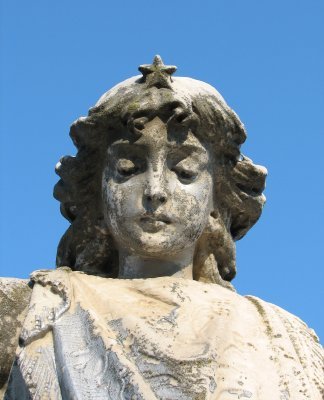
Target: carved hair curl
{"type": "Point", "coordinates": [122, 112]}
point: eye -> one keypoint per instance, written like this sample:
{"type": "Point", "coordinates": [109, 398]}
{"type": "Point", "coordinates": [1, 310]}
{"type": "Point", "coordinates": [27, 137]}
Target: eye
{"type": "Point", "coordinates": [126, 167]}
{"type": "Point", "coordinates": [185, 175]}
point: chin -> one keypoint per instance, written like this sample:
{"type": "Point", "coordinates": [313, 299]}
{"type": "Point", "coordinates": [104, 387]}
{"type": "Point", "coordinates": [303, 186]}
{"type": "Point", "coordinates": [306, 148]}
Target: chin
{"type": "Point", "coordinates": [156, 245]}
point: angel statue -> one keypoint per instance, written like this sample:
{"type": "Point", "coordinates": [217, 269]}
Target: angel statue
{"type": "Point", "coordinates": [141, 304]}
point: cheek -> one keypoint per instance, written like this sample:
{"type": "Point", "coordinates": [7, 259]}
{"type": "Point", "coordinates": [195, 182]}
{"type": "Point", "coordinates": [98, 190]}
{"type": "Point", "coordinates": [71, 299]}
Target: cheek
{"type": "Point", "coordinates": [197, 193]}
{"type": "Point", "coordinates": [194, 202]}
{"type": "Point", "coordinates": [120, 200]}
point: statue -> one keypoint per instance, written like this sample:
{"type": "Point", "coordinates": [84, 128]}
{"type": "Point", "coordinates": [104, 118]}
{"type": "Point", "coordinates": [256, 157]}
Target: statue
{"type": "Point", "coordinates": [141, 305]}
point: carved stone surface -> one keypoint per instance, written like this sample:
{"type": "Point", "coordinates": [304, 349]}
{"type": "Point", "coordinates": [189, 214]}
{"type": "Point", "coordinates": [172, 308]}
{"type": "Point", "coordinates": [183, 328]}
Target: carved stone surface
{"type": "Point", "coordinates": [161, 338]}
{"type": "Point", "coordinates": [14, 299]}
{"type": "Point", "coordinates": [141, 305]}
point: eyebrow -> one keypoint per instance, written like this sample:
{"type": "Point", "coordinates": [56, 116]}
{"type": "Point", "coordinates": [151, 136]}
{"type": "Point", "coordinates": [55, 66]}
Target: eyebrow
{"type": "Point", "coordinates": [186, 147]}
{"type": "Point", "coordinates": [126, 145]}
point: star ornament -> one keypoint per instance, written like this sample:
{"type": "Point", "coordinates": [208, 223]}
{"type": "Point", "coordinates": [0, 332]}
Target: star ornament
{"type": "Point", "coordinates": [157, 74]}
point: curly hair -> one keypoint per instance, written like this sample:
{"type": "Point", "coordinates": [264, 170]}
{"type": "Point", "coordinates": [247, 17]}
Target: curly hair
{"type": "Point", "coordinates": [87, 245]}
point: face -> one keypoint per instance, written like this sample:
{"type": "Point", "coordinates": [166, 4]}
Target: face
{"type": "Point", "coordinates": [157, 192]}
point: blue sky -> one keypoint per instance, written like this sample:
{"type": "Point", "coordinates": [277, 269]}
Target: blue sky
{"type": "Point", "coordinates": [267, 60]}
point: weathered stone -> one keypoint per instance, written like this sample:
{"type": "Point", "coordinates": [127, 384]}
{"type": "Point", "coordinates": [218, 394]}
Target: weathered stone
{"type": "Point", "coordinates": [161, 338]}
{"type": "Point", "coordinates": [14, 300]}
{"type": "Point", "coordinates": [156, 196]}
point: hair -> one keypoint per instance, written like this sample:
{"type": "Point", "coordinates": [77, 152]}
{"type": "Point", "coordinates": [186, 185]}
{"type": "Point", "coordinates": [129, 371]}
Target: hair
{"type": "Point", "coordinates": [87, 245]}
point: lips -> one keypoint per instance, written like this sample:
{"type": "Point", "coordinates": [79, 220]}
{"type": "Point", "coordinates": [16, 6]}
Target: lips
{"type": "Point", "coordinates": [156, 217]}
{"type": "Point", "coordinates": [154, 222]}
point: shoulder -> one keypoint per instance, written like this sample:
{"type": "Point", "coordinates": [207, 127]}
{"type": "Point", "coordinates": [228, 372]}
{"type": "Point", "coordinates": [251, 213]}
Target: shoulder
{"type": "Point", "coordinates": [272, 315]}
{"type": "Point", "coordinates": [14, 300]}
{"type": "Point", "coordinates": [290, 331]}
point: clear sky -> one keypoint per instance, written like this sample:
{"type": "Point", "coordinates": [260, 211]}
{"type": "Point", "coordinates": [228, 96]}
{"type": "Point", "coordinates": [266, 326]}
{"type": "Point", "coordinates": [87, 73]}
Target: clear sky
{"type": "Point", "coordinates": [265, 57]}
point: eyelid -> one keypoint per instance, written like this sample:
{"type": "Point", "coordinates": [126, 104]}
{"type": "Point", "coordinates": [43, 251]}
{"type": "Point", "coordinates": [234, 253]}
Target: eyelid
{"type": "Point", "coordinates": [185, 168]}
{"type": "Point", "coordinates": [185, 175]}
{"type": "Point", "coordinates": [125, 163]}
{"type": "Point", "coordinates": [190, 164]}
{"type": "Point", "coordinates": [127, 167]}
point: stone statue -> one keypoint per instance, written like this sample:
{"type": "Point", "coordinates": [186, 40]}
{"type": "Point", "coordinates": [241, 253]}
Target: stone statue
{"type": "Point", "coordinates": [141, 305]}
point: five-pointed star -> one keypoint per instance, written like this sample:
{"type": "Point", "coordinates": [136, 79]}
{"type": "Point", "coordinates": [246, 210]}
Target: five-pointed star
{"type": "Point", "coordinates": [157, 74]}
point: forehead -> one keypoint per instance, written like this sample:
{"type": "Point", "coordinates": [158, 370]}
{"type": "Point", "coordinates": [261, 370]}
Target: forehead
{"type": "Point", "coordinates": [157, 135]}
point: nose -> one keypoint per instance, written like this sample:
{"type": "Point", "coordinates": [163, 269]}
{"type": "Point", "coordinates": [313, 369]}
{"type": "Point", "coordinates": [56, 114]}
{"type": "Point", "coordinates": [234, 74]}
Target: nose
{"type": "Point", "coordinates": [154, 193]}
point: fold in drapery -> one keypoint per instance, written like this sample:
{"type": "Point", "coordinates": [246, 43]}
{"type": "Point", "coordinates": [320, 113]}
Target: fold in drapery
{"type": "Point", "coordinates": [87, 337]}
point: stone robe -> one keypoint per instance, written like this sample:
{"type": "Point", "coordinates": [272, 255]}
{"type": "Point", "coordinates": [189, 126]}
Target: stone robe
{"type": "Point", "coordinates": [87, 337]}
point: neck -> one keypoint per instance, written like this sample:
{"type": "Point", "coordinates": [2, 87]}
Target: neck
{"type": "Point", "coordinates": [134, 266]}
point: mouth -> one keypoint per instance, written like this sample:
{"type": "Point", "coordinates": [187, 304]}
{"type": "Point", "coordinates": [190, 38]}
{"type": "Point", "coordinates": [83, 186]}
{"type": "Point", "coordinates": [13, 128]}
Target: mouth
{"type": "Point", "coordinates": [154, 222]}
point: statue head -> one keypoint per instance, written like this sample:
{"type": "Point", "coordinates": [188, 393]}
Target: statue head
{"type": "Point", "coordinates": [158, 172]}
